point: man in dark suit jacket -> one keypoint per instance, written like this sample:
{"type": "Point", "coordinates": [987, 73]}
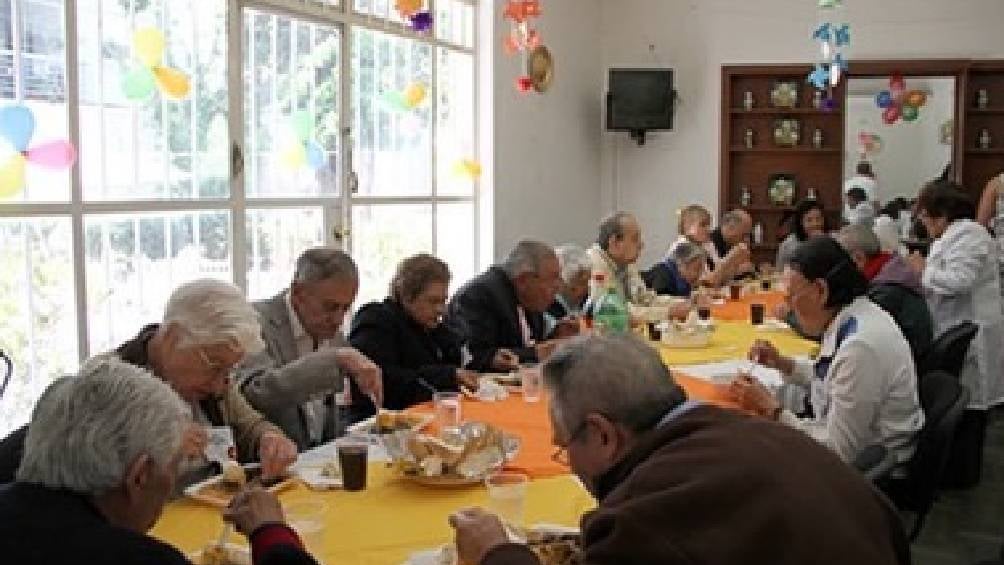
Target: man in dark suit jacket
{"type": "Point", "coordinates": [500, 312]}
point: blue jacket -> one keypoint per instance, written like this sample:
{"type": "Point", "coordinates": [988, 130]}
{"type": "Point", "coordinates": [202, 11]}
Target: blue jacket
{"type": "Point", "coordinates": [665, 278]}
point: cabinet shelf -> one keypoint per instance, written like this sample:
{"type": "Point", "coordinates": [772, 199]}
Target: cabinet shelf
{"type": "Point", "coordinates": [783, 111]}
{"type": "Point", "coordinates": [995, 110]}
{"type": "Point", "coordinates": [810, 150]}
{"type": "Point", "coordinates": [991, 151]}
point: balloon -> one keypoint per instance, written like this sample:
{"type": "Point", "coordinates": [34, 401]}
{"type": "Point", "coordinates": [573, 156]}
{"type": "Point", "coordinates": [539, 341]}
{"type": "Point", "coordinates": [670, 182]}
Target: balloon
{"type": "Point", "coordinates": [510, 44]}
{"type": "Point", "coordinates": [294, 156]}
{"type": "Point", "coordinates": [883, 99]}
{"type": "Point", "coordinates": [394, 100]}
{"type": "Point", "coordinates": [408, 7]}
{"type": "Point", "coordinates": [916, 98]}
{"type": "Point", "coordinates": [315, 155]}
{"type": "Point", "coordinates": [17, 125]}
{"type": "Point", "coordinates": [467, 168]}
{"type": "Point", "coordinates": [910, 113]}
{"type": "Point", "coordinates": [53, 154]}
{"type": "Point", "coordinates": [890, 115]}
{"type": "Point", "coordinates": [303, 125]}
{"type": "Point", "coordinates": [172, 82]}
{"type": "Point", "coordinates": [422, 21]}
{"type": "Point", "coordinates": [524, 84]}
{"type": "Point", "coordinates": [12, 176]}
{"type": "Point", "coordinates": [138, 84]}
{"type": "Point", "coordinates": [829, 105]}
{"type": "Point", "coordinates": [414, 95]}
{"type": "Point", "coordinates": [148, 43]}
{"type": "Point", "coordinates": [897, 84]}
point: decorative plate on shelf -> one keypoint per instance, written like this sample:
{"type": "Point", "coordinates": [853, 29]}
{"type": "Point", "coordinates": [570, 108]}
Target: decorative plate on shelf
{"type": "Point", "coordinates": [787, 132]}
{"type": "Point", "coordinates": [784, 94]}
{"type": "Point", "coordinates": [781, 189]}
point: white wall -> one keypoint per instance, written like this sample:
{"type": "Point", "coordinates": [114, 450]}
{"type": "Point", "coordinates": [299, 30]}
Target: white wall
{"type": "Point", "coordinates": [546, 155]}
{"type": "Point", "coordinates": [696, 37]}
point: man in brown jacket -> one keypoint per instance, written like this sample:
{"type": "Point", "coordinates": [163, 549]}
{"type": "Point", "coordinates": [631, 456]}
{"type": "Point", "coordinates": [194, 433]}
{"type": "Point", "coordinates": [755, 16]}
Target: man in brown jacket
{"type": "Point", "coordinates": [680, 482]}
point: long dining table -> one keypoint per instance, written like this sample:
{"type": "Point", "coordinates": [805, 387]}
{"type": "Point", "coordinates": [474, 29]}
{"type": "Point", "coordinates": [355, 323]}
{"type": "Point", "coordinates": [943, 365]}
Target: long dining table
{"type": "Point", "coordinates": [395, 517]}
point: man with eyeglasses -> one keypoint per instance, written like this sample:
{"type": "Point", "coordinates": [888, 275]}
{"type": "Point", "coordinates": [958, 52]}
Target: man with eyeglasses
{"type": "Point", "coordinates": [301, 379]}
{"type": "Point", "coordinates": [681, 482]}
{"type": "Point", "coordinates": [207, 329]}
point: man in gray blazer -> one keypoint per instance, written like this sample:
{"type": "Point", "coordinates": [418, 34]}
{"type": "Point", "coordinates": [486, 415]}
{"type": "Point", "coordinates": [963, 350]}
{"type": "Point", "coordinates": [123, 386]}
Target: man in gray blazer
{"type": "Point", "coordinates": [307, 360]}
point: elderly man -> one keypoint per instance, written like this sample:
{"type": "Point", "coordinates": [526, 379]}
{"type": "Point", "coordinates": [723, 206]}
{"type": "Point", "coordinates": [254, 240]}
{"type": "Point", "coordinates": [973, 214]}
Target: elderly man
{"type": "Point", "coordinates": [893, 285]}
{"type": "Point", "coordinates": [307, 360]}
{"type": "Point", "coordinates": [614, 254]}
{"type": "Point", "coordinates": [680, 482]}
{"type": "Point", "coordinates": [207, 329]}
{"type": "Point", "coordinates": [100, 461]}
{"type": "Point", "coordinates": [501, 311]}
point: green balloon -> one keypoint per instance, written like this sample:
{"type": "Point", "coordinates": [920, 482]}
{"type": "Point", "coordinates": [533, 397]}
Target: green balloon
{"type": "Point", "coordinates": [910, 113]}
{"type": "Point", "coordinates": [394, 100]}
{"type": "Point", "coordinates": [303, 125]}
{"type": "Point", "coordinates": [138, 84]}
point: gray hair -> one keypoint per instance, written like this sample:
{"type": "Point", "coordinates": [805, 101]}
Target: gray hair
{"type": "Point", "coordinates": [209, 311]}
{"type": "Point", "coordinates": [856, 238]}
{"type": "Point", "coordinates": [618, 376]}
{"type": "Point", "coordinates": [526, 257]}
{"type": "Point", "coordinates": [612, 226]}
{"type": "Point", "coordinates": [734, 217]}
{"type": "Point", "coordinates": [87, 430]}
{"type": "Point", "coordinates": [686, 251]}
{"type": "Point", "coordinates": [573, 261]}
{"type": "Point", "coordinates": [322, 263]}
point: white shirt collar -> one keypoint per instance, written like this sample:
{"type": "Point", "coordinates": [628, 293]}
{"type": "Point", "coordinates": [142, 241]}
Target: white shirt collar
{"type": "Point", "coordinates": [294, 319]}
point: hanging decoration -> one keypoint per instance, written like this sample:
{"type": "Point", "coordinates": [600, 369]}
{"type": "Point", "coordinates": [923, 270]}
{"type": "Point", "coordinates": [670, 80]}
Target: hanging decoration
{"type": "Point", "coordinates": [897, 102]}
{"type": "Point", "coordinates": [468, 168]}
{"type": "Point", "coordinates": [405, 100]}
{"type": "Point", "coordinates": [303, 150]}
{"type": "Point", "coordinates": [139, 83]}
{"type": "Point", "coordinates": [419, 18]}
{"type": "Point", "coordinates": [833, 38]}
{"type": "Point", "coordinates": [17, 127]}
{"type": "Point", "coordinates": [522, 36]}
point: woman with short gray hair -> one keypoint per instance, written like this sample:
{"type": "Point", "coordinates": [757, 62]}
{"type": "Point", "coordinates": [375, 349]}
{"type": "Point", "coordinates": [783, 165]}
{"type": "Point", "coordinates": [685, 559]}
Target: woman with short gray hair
{"type": "Point", "coordinates": [678, 274]}
{"type": "Point", "coordinates": [575, 266]}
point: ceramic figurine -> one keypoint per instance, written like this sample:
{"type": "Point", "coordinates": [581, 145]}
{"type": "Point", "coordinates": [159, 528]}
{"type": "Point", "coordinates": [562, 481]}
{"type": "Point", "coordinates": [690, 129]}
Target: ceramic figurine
{"type": "Point", "coordinates": [747, 100]}
{"type": "Point", "coordinates": [748, 138]}
{"type": "Point", "coordinates": [746, 198]}
{"type": "Point", "coordinates": [982, 99]}
{"type": "Point", "coordinates": [817, 99]}
{"type": "Point", "coordinates": [984, 139]}
{"type": "Point", "coordinates": [758, 234]}
{"type": "Point", "coordinates": [811, 193]}
{"type": "Point", "coordinates": [817, 138]}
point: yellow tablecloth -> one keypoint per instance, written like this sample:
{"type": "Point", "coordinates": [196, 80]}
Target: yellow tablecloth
{"type": "Point", "coordinates": [732, 340]}
{"type": "Point", "coordinates": [387, 522]}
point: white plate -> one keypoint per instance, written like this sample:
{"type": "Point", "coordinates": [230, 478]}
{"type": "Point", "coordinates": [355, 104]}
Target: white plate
{"type": "Point", "coordinates": [772, 325]}
{"type": "Point", "coordinates": [311, 476]}
{"type": "Point", "coordinates": [365, 427]}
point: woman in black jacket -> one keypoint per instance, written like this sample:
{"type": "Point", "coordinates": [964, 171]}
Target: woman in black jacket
{"type": "Point", "coordinates": [405, 335]}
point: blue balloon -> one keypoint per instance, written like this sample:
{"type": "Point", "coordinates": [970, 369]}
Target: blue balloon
{"type": "Point", "coordinates": [883, 99]}
{"type": "Point", "coordinates": [315, 155]}
{"type": "Point", "coordinates": [17, 124]}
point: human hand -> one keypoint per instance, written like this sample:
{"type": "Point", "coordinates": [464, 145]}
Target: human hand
{"type": "Point", "coordinates": [780, 311]}
{"type": "Point", "coordinates": [477, 533]}
{"type": "Point", "coordinates": [764, 353]}
{"type": "Point", "coordinates": [366, 373]}
{"type": "Point", "coordinates": [505, 360]}
{"type": "Point", "coordinates": [917, 262]}
{"type": "Point", "coordinates": [753, 396]}
{"type": "Point", "coordinates": [468, 379]}
{"type": "Point", "coordinates": [276, 452]}
{"type": "Point", "coordinates": [193, 441]}
{"type": "Point", "coordinates": [546, 348]}
{"type": "Point", "coordinates": [252, 508]}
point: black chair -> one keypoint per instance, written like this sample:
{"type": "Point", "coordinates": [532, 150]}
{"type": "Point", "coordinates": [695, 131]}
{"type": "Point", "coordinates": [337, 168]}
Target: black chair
{"type": "Point", "coordinates": [943, 400]}
{"type": "Point", "coordinates": [948, 352]}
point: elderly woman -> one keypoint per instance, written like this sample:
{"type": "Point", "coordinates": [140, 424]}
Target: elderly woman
{"type": "Point", "coordinates": [101, 459]}
{"type": "Point", "coordinates": [678, 274]}
{"type": "Point", "coordinates": [807, 220]}
{"type": "Point", "coordinates": [207, 329]}
{"type": "Point", "coordinates": [576, 266]}
{"type": "Point", "coordinates": [863, 387]}
{"type": "Point", "coordinates": [405, 335]}
{"type": "Point", "coordinates": [961, 282]}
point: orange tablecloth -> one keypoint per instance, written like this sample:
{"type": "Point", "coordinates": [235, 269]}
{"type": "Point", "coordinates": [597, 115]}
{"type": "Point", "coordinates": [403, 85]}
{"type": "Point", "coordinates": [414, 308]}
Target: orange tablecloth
{"type": "Point", "coordinates": [739, 310]}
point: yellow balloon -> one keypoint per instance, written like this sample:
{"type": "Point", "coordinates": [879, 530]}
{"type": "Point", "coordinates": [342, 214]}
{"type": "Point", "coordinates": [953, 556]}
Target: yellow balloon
{"type": "Point", "coordinates": [12, 176]}
{"type": "Point", "coordinates": [467, 168]}
{"type": "Point", "coordinates": [408, 7]}
{"type": "Point", "coordinates": [294, 156]}
{"type": "Point", "coordinates": [415, 94]}
{"type": "Point", "coordinates": [148, 42]}
{"type": "Point", "coordinates": [172, 82]}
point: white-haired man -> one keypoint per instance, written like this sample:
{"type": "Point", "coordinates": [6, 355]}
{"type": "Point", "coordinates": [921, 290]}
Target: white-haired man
{"type": "Point", "coordinates": [680, 482]}
{"type": "Point", "coordinates": [100, 461]}
{"type": "Point", "coordinates": [207, 329]}
{"type": "Point", "coordinates": [307, 360]}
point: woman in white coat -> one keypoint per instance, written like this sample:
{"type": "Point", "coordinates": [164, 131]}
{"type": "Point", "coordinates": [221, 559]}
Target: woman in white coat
{"type": "Point", "coordinates": [962, 282]}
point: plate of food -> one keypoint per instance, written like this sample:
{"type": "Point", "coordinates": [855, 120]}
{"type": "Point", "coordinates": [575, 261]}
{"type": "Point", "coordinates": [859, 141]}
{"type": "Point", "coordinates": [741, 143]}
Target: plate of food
{"type": "Point", "coordinates": [553, 545]}
{"type": "Point", "coordinates": [226, 554]}
{"type": "Point", "coordinates": [218, 490]}
{"type": "Point", "coordinates": [390, 421]}
{"type": "Point", "coordinates": [772, 325]}
{"type": "Point", "coordinates": [320, 475]}
{"type": "Point", "coordinates": [504, 379]}
{"type": "Point", "coordinates": [462, 457]}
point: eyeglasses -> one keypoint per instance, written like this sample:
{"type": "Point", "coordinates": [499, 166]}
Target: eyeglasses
{"type": "Point", "coordinates": [560, 455]}
{"type": "Point", "coordinates": [215, 369]}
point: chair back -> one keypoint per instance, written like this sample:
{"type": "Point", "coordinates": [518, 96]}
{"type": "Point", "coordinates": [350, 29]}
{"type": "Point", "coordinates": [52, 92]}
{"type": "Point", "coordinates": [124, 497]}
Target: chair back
{"type": "Point", "coordinates": [6, 372]}
{"type": "Point", "coordinates": [948, 352]}
{"type": "Point", "coordinates": [943, 400]}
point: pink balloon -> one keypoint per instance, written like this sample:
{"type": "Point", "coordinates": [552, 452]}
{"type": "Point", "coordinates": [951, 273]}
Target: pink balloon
{"type": "Point", "coordinates": [53, 154]}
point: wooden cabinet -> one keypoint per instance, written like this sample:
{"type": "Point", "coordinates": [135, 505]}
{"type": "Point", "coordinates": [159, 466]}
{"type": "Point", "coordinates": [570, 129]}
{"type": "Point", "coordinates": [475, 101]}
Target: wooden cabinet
{"type": "Point", "coordinates": [815, 167]}
{"type": "Point", "coordinates": [979, 165]}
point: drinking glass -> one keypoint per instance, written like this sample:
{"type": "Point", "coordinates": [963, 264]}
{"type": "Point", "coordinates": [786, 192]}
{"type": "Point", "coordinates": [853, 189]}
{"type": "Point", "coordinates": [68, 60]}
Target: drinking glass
{"type": "Point", "coordinates": [507, 496]}
{"type": "Point", "coordinates": [447, 406]}
{"type": "Point", "coordinates": [530, 383]}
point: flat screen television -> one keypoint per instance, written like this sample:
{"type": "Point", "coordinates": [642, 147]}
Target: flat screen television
{"type": "Point", "coordinates": [640, 100]}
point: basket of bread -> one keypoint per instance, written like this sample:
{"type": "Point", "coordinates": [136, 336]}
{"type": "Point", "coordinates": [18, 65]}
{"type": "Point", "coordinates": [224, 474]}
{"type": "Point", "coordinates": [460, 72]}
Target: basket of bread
{"type": "Point", "coordinates": [460, 456]}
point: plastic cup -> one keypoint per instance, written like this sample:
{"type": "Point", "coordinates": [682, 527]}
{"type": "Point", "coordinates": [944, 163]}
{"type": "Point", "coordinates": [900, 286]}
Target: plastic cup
{"type": "Point", "coordinates": [507, 496]}
{"type": "Point", "coordinates": [447, 405]}
{"type": "Point", "coordinates": [353, 454]}
{"type": "Point", "coordinates": [530, 383]}
{"type": "Point", "coordinates": [307, 518]}
{"type": "Point", "coordinates": [736, 290]}
{"type": "Point", "coordinates": [704, 313]}
{"type": "Point", "coordinates": [757, 313]}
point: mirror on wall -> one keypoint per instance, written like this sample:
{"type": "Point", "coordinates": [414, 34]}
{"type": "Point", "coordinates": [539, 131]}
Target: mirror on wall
{"type": "Point", "coordinates": [906, 154]}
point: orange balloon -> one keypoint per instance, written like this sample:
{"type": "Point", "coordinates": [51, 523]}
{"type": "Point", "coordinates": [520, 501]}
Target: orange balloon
{"type": "Point", "coordinates": [172, 82]}
{"type": "Point", "coordinates": [916, 98]}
